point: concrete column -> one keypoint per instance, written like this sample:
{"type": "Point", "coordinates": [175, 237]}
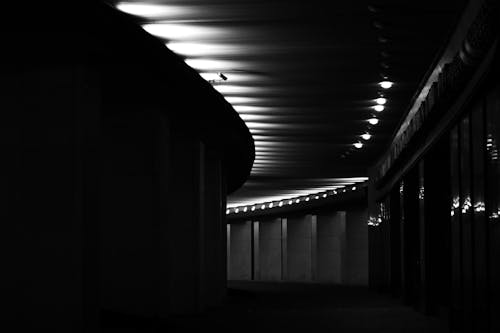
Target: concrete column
{"type": "Point", "coordinates": [215, 248]}
{"type": "Point", "coordinates": [270, 249]}
{"type": "Point", "coordinates": [255, 250]}
{"type": "Point", "coordinates": [331, 247]}
{"type": "Point", "coordinates": [299, 245]}
{"type": "Point", "coordinates": [356, 246]}
{"type": "Point", "coordinates": [284, 249]}
{"type": "Point", "coordinates": [228, 250]}
{"type": "Point", "coordinates": [240, 253]}
{"type": "Point", "coordinates": [186, 226]}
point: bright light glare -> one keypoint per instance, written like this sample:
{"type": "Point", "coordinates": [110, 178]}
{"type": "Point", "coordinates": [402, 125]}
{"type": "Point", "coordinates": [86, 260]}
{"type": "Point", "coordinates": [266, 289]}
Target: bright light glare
{"type": "Point", "coordinates": [379, 108]}
{"type": "Point", "coordinates": [366, 136]}
{"type": "Point", "coordinates": [381, 101]}
{"type": "Point", "coordinates": [210, 64]}
{"type": "Point", "coordinates": [201, 49]}
{"type": "Point", "coordinates": [231, 77]}
{"type": "Point", "coordinates": [175, 31]}
{"type": "Point", "coordinates": [253, 117]}
{"type": "Point", "coordinates": [373, 121]}
{"type": "Point", "coordinates": [386, 84]}
{"type": "Point", "coordinates": [230, 89]}
{"type": "Point", "coordinates": [238, 99]}
{"type": "Point", "coordinates": [249, 108]}
{"type": "Point", "coordinates": [150, 10]}
{"type": "Point", "coordinates": [358, 145]}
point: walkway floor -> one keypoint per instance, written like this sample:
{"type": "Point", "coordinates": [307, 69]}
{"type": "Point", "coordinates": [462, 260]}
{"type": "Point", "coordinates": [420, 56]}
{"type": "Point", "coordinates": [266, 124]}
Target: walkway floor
{"type": "Point", "coordinates": [307, 308]}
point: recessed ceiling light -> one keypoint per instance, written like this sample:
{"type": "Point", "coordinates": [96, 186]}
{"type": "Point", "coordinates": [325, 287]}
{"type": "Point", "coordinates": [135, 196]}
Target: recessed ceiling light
{"type": "Point", "coordinates": [263, 207]}
{"type": "Point", "coordinates": [175, 31]}
{"type": "Point", "coordinates": [236, 210]}
{"type": "Point", "coordinates": [152, 10]}
{"type": "Point", "coordinates": [307, 199]}
{"type": "Point", "coordinates": [381, 100]}
{"type": "Point", "coordinates": [366, 136]}
{"type": "Point", "coordinates": [281, 203]}
{"type": "Point", "coordinates": [194, 49]}
{"type": "Point", "coordinates": [227, 211]}
{"type": "Point", "coordinates": [373, 121]}
{"type": "Point", "coordinates": [358, 145]}
{"type": "Point", "coordinates": [271, 205]}
{"type": "Point", "coordinates": [210, 64]}
{"type": "Point", "coordinates": [379, 108]}
{"type": "Point", "coordinates": [245, 210]}
{"type": "Point", "coordinates": [290, 202]}
{"type": "Point", "coordinates": [253, 208]}
{"type": "Point", "coordinates": [386, 84]}
{"type": "Point", "coordinates": [297, 201]}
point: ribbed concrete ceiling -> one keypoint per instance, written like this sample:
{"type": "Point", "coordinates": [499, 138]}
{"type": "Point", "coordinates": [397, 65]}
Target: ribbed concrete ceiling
{"type": "Point", "coordinates": [304, 75]}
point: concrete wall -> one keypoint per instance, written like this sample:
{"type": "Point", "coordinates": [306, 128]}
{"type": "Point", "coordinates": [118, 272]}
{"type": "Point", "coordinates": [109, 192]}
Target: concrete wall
{"type": "Point", "coordinates": [299, 239]}
{"type": "Point", "coordinates": [270, 255]}
{"type": "Point", "coordinates": [240, 258]}
{"type": "Point", "coordinates": [357, 247]}
{"type": "Point", "coordinates": [331, 247]}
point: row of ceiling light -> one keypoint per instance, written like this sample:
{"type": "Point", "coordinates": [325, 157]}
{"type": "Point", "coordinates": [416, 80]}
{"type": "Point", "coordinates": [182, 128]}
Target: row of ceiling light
{"type": "Point", "coordinates": [290, 201]}
{"type": "Point", "coordinates": [378, 107]}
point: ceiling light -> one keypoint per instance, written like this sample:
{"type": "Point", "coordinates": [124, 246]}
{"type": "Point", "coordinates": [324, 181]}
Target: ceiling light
{"type": "Point", "coordinates": [239, 99]}
{"type": "Point", "coordinates": [290, 202]}
{"type": "Point", "coordinates": [354, 188]}
{"type": "Point", "coordinates": [151, 10]}
{"type": "Point", "coordinates": [373, 121]}
{"type": "Point", "coordinates": [358, 145]}
{"type": "Point", "coordinates": [253, 208]}
{"type": "Point", "coordinates": [263, 207]}
{"type": "Point", "coordinates": [271, 205]}
{"type": "Point", "coordinates": [386, 84]}
{"type": "Point", "coordinates": [381, 100]}
{"type": "Point", "coordinates": [232, 89]}
{"type": "Point", "coordinates": [194, 49]}
{"type": "Point", "coordinates": [366, 136]}
{"type": "Point", "coordinates": [297, 201]}
{"type": "Point", "coordinates": [245, 210]}
{"type": "Point", "coordinates": [316, 197]}
{"type": "Point", "coordinates": [307, 199]}
{"type": "Point", "coordinates": [325, 195]}
{"type": "Point", "coordinates": [227, 211]}
{"type": "Point", "coordinates": [236, 210]}
{"type": "Point", "coordinates": [379, 108]}
{"type": "Point", "coordinates": [209, 64]}
{"type": "Point", "coordinates": [173, 31]}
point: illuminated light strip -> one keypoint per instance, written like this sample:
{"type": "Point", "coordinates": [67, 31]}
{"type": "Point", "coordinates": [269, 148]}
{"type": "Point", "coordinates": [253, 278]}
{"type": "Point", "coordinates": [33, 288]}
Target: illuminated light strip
{"type": "Point", "coordinates": [152, 11]}
{"type": "Point", "coordinates": [290, 201]}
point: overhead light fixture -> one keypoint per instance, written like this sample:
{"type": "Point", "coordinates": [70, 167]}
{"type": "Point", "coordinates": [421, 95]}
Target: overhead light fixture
{"type": "Point", "coordinates": [227, 211]}
{"type": "Point", "coordinates": [297, 201]}
{"type": "Point", "coordinates": [386, 84]}
{"type": "Point", "coordinates": [152, 10]}
{"type": "Point", "coordinates": [271, 205]}
{"type": "Point", "coordinates": [366, 136]}
{"type": "Point", "coordinates": [290, 202]}
{"type": "Point", "coordinates": [325, 195]}
{"type": "Point", "coordinates": [281, 203]}
{"type": "Point", "coordinates": [373, 121]}
{"type": "Point", "coordinates": [245, 210]}
{"type": "Point", "coordinates": [177, 31]}
{"type": "Point", "coordinates": [263, 207]}
{"type": "Point", "coordinates": [379, 108]}
{"type": "Point", "coordinates": [236, 210]}
{"type": "Point", "coordinates": [381, 100]}
{"type": "Point", "coordinates": [209, 64]}
{"type": "Point", "coordinates": [253, 208]}
{"type": "Point", "coordinates": [358, 145]}
{"type": "Point", "coordinates": [307, 199]}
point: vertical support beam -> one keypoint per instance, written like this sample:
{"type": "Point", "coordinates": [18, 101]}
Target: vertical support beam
{"type": "Point", "coordinates": [314, 247]}
{"type": "Point", "coordinates": [256, 250]}
{"type": "Point", "coordinates": [284, 250]}
{"type": "Point", "coordinates": [241, 251]}
{"type": "Point", "coordinates": [423, 239]}
{"type": "Point", "coordinates": [228, 250]}
{"type": "Point", "coordinates": [187, 214]}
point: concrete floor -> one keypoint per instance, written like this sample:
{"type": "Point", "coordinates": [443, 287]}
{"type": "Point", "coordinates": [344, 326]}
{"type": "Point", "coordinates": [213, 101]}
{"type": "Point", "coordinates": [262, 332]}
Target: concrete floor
{"type": "Point", "coordinates": [294, 307]}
